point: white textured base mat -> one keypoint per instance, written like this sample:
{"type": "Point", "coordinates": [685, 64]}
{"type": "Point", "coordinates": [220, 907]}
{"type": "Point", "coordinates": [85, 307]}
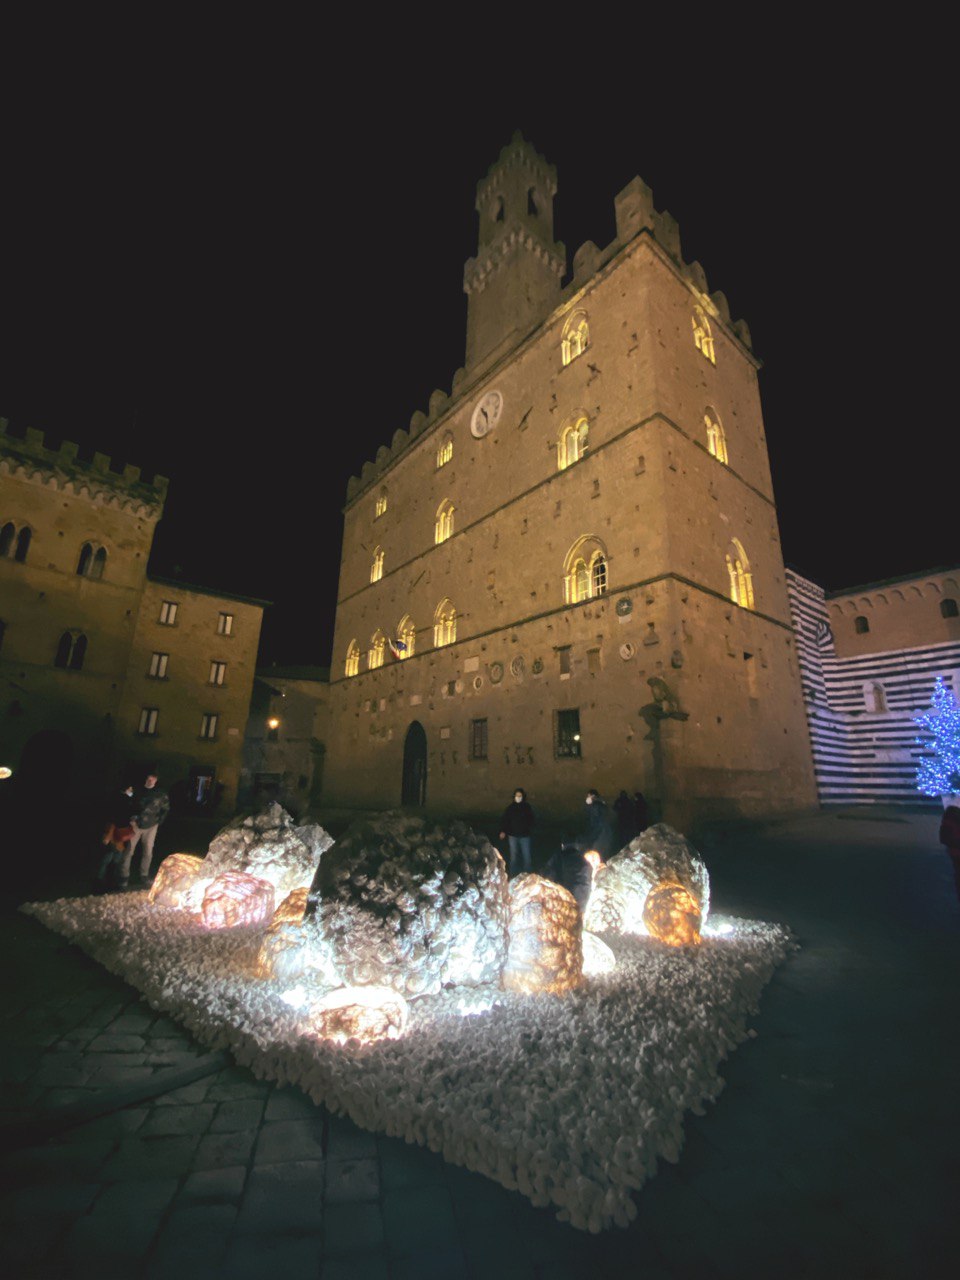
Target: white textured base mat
{"type": "Point", "coordinates": [568, 1099]}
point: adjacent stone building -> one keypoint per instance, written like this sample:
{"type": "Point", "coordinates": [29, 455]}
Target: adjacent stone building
{"type": "Point", "coordinates": [567, 572]}
{"type": "Point", "coordinates": [285, 745]}
{"type": "Point", "coordinates": [101, 666]}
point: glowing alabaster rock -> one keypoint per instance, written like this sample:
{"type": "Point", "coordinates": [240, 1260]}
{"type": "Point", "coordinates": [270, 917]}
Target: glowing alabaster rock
{"type": "Point", "coordinates": [181, 881]}
{"type": "Point", "coordinates": [291, 910]}
{"type": "Point", "coordinates": [672, 914]}
{"type": "Point", "coordinates": [545, 949]}
{"type": "Point", "coordinates": [271, 847]}
{"type": "Point", "coordinates": [621, 887]}
{"type": "Point", "coordinates": [359, 1013]}
{"type": "Point", "coordinates": [293, 948]}
{"type": "Point", "coordinates": [598, 959]}
{"type": "Point", "coordinates": [235, 898]}
{"type": "Point", "coordinates": [412, 906]}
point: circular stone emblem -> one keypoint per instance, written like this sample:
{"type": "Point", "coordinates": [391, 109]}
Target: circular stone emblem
{"type": "Point", "coordinates": [517, 667]}
{"type": "Point", "coordinates": [537, 666]}
{"type": "Point", "coordinates": [624, 606]}
{"type": "Point", "coordinates": [496, 672]}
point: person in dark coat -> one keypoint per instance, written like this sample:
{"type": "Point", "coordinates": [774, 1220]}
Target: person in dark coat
{"type": "Point", "coordinates": [570, 867]}
{"type": "Point", "coordinates": [118, 831]}
{"type": "Point", "coordinates": [950, 838]}
{"type": "Point", "coordinates": [623, 807]}
{"type": "Point", "coordinates": [641, 812]}
{"type": "Point", "coordinates": [516, 825]}
{"type": "Point", "coordinates": [598, 832]}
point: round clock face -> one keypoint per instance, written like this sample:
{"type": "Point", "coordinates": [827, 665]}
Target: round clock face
{"type": "Point", "coordinates": [487, 414]}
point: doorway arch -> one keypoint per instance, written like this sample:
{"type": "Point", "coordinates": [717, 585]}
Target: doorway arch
{"type": "Point", "coordinates": [414, 786]}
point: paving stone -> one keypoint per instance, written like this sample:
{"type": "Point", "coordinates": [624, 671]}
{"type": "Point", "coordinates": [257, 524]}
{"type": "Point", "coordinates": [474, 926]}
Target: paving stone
{"type": "Point", "coordinates": [122, 1224]}
{"type": "Point", "coordinates": [290, 1104]}
{"type": "Point", "coordinates": [289, 1140]}
{"type": "Point", "coordinates": [188, 1093]}
{"type": "Point", "coordinates": [165, 1120]}
{"type": "Point", "coordinates": [430, 1264]}
{"type": "Point", "coordinates": [55, 1074]}
{"type": "Point", "coordinates": [412, 1212]}
{"type": "Point", "coordinates": [403, 1165]}
{"type": "Point", "coordinates": [101, 1061]}
{"type": "Point", "coordinates": [283, 1197]}
{"type": "Point", "coordinates": [357, 1266]}
{"type": "Point", "coordinates": [113, 1077]}
{"type": "Point", "coordinates": [57, 1197]}
{"type": "Point", "coordinates": [56, 1161]}
{"type": "Point", "coordinates": [231, 1116]}
{"type": "Point", "coordinates": [111, 1043]}
{"type": "Point", "coordinates": [223, 1150]}
{"type": "Point", "coordinates": [254, 1256]}
{"type": "Point", "coordinates": [214, 1185]}
{"type": "Point", "coordinates": [192, 1241]}
{"type": "Point", "coordinates": [236, 1091]}
{"type": "Point", "coordinates": [349, 1180]}
{"type": "Point", "coordinates": [139, 1158]}
{"type": "Point", "coordinates": [345, 1141]}
{"type": "Point", "coordinates": [136, 1022]}
{"type": "Point", "coordinates": [167, 1044]}
{"type": "Point", "coordinates": [116, 1124]}
{"type": "Point", "coordinates": [351, 1228]}
{"type": "Point", "coordinates": [52, 1098]}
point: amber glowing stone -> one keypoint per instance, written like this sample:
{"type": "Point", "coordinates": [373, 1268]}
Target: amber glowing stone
{"type": "Point", "coordinates": [236, 898]}
{"type": "Point", "coordinates": [545, 950]}
{"type": "Point", "coordinates": [359, 1013]}
{"type": "Point", "coordinates": [291, 910]}
{"type": "Point", "coordinates": [672, 914]}
{"type": "Point", "coordinates": [181, 881]}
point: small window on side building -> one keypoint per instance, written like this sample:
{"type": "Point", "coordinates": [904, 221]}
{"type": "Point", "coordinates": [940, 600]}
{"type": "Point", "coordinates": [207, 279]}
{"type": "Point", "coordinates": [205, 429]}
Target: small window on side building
{"type": "Point", "coordinates": [567, 735]}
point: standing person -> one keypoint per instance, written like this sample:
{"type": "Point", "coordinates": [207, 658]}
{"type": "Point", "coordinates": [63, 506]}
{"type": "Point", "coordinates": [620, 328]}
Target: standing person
{"type": "Point", "coordinates": [950, 836]}
{"type": "Point", "coordinates": [642, 811]}
{"type": "Point", "coordinates": [118, 832]}
{"type": "Point", "coordinates": [153, 805]}
{"type": "Point", "coordinates": [625, 810]}
{"type": "Point", "coordinates": [517, 827]}
{"type": "Point", "coordinates": [598, 833]}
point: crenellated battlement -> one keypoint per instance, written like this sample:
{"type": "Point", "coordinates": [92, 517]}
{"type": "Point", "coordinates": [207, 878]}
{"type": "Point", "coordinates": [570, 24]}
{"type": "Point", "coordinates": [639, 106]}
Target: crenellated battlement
{"type": "Point", "coordinates": [95, 478]}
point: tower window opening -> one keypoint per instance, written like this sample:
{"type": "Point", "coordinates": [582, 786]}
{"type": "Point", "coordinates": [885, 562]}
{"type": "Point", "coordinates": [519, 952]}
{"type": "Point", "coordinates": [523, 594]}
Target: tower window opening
{"type": "Point", "coordinates": [572, 444]}
{"type": "Point", "coordinates": [716, 439]}
{"type": "Point", "coordinates": [444, 624]}
{"type": "Point", "coordinates": [445, 451]}
{"type": "Point", "coordinates": [948, 608]}
{"type": "Point", "coordinates": [702, 335]}
{"type": "Point", "coordinates": [861, 625]}
{"type": "Point", "coordinates": [585, 572]}
{"type": "Point", "coordinates": [376, 565]}
{"type": "Point", "coordinates": [377, 650]}
{"type": "Point", "coordinates": [576, 337]}
{"type": "Point", "coordinates": [380, 506]}
{"type": "Point", "coordinates": [741, 579]}
{"type": "Point", "coordinates": [352, 665]}
{"type": "Point", "coordinates": [443, 528]}
{"type": "Point", "coordinates": [532, 203]}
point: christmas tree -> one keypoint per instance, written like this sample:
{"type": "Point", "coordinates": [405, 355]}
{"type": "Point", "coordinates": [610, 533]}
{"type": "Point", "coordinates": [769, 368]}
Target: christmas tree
{"type": "Point", "coordinates": [939, 773]}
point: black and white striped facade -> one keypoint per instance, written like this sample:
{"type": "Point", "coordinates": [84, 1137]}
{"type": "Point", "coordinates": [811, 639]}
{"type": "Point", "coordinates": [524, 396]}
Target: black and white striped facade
{"type": "Point", "coordinates": [861, 710]}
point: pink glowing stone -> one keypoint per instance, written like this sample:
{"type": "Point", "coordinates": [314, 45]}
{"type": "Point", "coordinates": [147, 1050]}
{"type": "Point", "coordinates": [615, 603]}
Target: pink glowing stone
{"type": "Point", "coordinates": [236, 898]}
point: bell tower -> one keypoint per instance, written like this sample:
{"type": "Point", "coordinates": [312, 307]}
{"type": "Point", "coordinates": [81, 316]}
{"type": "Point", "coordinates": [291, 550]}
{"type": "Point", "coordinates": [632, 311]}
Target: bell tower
{"type": "Point", "coordinates": [514, 281]}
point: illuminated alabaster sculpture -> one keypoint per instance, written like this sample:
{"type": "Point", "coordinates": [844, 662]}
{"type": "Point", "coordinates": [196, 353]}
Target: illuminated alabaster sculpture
{"type": "Point", "coordinates": [652, 867]}
{"type": "Point", "coordinates": [235, 898]}
{"type": "Point", "coordinates": [293, 948]}
{"type": "Point", "coordinates": [412, 906]}
{"type": "Point", "coordinates": [359, 1013]}
{"type": "Point", "coordinates": [598, 959]}
{"type": "Point", "coordinates": [545, 951]}
{"type": "Point", "coordinates": [271, 847]}
{"type": "Point", "coordinates": [181, 881]}
{"type": "Point", "coordinates": [291, 909]}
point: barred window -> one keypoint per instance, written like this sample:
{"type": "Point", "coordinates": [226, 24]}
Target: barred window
{"type": "Point", "coordinates": [225, 624]}
{"type": "Point", "coordinates": [208, 725]}
{"type": "Point", "coordinates": [218, 672]}
{"type": "Point", "coordinates": [149, 717]}
{"type": "Point", "coordinates": [567, 734]}
{"type": "Point", "coordinates": [478, 739]}
{"type": "Point", "coordinates": [168, 613]}
{"type": "Point", "coordinates": [158, 665]}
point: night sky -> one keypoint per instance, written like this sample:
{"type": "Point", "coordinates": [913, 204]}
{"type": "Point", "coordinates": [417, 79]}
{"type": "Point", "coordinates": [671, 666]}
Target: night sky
{"type": "Point", "coordinates": [226, 270]}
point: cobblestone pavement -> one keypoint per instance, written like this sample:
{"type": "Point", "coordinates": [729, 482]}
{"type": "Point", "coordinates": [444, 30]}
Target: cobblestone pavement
{"type": "Point", "coordinates": [129, 1151]}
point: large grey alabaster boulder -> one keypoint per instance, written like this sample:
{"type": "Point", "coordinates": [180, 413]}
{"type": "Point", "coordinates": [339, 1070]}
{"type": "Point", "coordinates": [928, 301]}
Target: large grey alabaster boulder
{"type": "Point", "coordinates": [628, 885]}
{"type": "Point", "coordinates": [271, 847]}
{"type": "Point", "coordinates": [416, 907]}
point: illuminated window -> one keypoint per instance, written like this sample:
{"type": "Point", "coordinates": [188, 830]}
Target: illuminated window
{"type": "Point", "coordinates": [407, 636]}
{"type": "Point", "coordinates": [741, 579]}
{"type": "Point", "coordinates": [585, 570]}
{"type": "Point", "coordinates": [225, 624]}
{"type": "Point", "coordinates": [218, 672]}
{"type": "Point", "coordinates": [149, 719]}
{"type": "Point", "coordinates": [702, 337]}
{"type": "Point", "coordinates": [381, 504]}
{"type": "Point", "coordinates": [444, 523]}
{"type": "Point", "coordinates": [168, 613]}
{"type": "Point", "coordinates": [478, 739]}
{"type": "Point", "coordinates": [861, 625]}
{"type": "Point", "coordinates": [377, 649]}
{"type": "Point", "coordinates": [445, 450]}
{"type": "Point", "coordinates": [572, 444]}
{"type": "Point", "coordinates": [208, 725]}
{"type": "Point", "coordinates": [158, 666]}
{"type": "Point", "coordinates": [444, 624]}
{"type": "Point", "coordinates": [716, 440]}
{"type": "Point", "coordinates": [566, 738]}
{"type": "Point", "coordinates": [576, 337]}
{"type": "Point", "coordinates": [352, 665]}
{"type": "Point", "coordinates": [71, 651]}
{"type": "Point", "coordinates": [875, 697]}
{"type": "Point", "coordinates": [376, 565]}
{"type": "Point", "coordinates": [948, 608]}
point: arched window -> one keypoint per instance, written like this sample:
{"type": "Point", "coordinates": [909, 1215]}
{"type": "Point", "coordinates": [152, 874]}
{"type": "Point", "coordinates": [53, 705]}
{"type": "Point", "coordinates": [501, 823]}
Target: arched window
{"type": "Point", "coordinates": [78, 652]}
{"type": "Point", "coordinates": [378, 645]}
{"type": "Point", "coordinates": [861, 625]}
{"type": "Point", "coordinates": [381, 504]}
{"type": "Point", "coordinates": [407, 637]}
{"type": "Point", "coordinates": [64, 649]}
{"type": "Point", "coordinates": [716, 440]}
{"type": "Point", "coordinates": [572, 444]}
{"type": "Point", "coordinates": [576, 337]}
{"type": "Point", "coordinates": [585, 570]}
{"type": "Point", "coordinates": [741, 579]}
{"type": "Point", "coordinates": [3, 632]}
{"type": "Point", "coordinates": [444, 524]}
{"type": "Point", "coordinates": [445, 450]}
{"type": "Point", "coordinates": [83, 564]}
{"type": "Point", "coordinates": [7, 535]}
{"type": "Point", "coordinates": [876, 698]}
{"type": "Point", "coordinates": [99, 564]}
{"type": "Point", "coordinates": [376, 565]}
{"type": "Point", "coordinates": [352, 665]}
{"type": "Point", "coordinates": [702, 337]}
{"type": "Point", "coordinates": [948, 608]}
{"type": "Point", "coordinates": [444, 624]}
{"type": "Point", "coordinates": [23, 544]}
